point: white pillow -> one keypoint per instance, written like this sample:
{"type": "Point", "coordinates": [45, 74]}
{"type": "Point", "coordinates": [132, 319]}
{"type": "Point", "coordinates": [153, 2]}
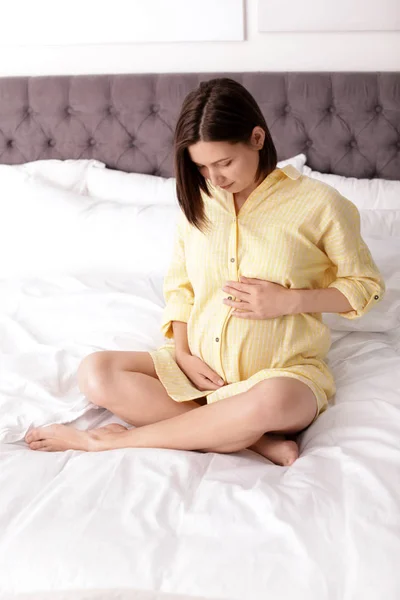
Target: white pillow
{"type": "Point", "coordinates": [131, 188]}
{"type": "Point", "coordinates": [46, 230]}
{"type": "Point", "coordinates": [68, 174]}
{"type": "Point", "coordinates": [364, 193]}
{"type": "Point", "coordinates": [386, 314]}
{"type": "Point", "coordinates": [140, 189]}
{"type": "Point", "coordinates": [380, 223]}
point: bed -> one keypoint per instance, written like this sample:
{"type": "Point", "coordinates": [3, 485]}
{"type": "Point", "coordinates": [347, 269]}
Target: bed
{"type": "Point", "coordinates": [153, 524]}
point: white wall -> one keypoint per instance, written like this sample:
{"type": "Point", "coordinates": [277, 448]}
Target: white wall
{"type": "Point", "coordinates": [362, 51]}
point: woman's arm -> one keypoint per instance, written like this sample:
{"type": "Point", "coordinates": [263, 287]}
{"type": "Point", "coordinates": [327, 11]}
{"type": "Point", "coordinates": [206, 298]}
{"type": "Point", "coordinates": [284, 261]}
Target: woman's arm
{"type": "Point", "coordinates": [358, 285]}
{"type": "Point", "coordinates": [258, 299]}
{"type": "Point", "coordinates": [199, 373]}
{"type": "Point", "coordinates": [329, 300]}
{"type": "Point", "coordinates": [357, 276]}
{"type": "Point", "coordinates": [181, 339]}
{"type": "Point", "coordinates": [178, 291]}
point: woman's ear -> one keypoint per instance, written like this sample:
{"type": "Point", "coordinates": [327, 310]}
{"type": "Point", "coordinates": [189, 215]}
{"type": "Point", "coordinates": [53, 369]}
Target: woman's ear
{"type": "Point", "coordinates": [258, 137]}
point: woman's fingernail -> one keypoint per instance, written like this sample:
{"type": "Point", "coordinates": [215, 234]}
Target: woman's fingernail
{"type": "Point", "coordinates": [221, 382]}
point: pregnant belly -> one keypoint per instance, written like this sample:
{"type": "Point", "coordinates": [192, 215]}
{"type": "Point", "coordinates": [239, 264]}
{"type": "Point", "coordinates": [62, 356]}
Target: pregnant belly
{"type": "Point", "coordinates": [253, 345]}
{"type": "Point", "coordinates": [239, 348]}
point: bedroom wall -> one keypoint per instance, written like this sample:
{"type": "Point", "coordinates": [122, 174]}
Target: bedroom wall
{"type": "Point", "coordinates": [363, 51]}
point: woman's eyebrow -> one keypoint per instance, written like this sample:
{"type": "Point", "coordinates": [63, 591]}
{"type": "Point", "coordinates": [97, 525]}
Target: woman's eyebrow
{"type": "Point", "coordinates": [214, 163]}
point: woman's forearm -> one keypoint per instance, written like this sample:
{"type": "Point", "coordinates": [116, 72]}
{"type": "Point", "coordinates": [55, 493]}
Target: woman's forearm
{"type": "Point", "coordinates": [328, 300]}
{"type": "Point", "coordinates": [180, 336]}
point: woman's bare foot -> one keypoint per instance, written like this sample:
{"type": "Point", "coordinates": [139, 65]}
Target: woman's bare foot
{"type": "Point", "coordinates": [277, 449]}
{"type": "Point", "coordinates": [57, 438]}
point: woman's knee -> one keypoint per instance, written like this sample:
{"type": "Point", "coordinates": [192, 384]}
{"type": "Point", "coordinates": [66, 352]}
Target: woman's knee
{"type": "Point", "coordinates": [94, 376]}
{"type": "Point", "coordinates": [271, 396]}
{"type": "Point", "coordinates": [284, 400]}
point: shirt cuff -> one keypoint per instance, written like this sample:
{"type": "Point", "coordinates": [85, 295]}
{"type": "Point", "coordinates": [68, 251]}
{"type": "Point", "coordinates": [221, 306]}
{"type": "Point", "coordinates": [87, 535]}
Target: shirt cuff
{"type": "Point", "coordinates": [175, 312]}
{"type": "Point", "coordinates": [361, 300]}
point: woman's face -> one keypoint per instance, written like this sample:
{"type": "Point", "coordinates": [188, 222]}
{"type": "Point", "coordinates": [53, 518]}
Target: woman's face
{"type": "Point", "coordinates": [229, 166]}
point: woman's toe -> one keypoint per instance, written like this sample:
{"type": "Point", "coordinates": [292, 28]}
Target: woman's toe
{"type": "Point", "coordinates": [56, 438]}
{"type": "Point", "coordinates": [41, 445]}
{"type": "Point", "coordinates": [34, 435]}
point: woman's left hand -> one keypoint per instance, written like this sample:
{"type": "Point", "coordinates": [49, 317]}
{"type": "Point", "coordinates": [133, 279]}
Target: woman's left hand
{"type": "Point", "coordinates": [258, 299]}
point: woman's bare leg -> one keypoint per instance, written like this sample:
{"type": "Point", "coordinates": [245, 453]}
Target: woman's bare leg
{"type": "Point", "coordinates": [126, 383]}
{"type": "Point", "coordinates": [232, 424]}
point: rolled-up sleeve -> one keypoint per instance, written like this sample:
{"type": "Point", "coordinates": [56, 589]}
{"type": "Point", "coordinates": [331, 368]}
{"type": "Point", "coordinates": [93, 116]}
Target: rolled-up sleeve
{"type": "Point", "coordinates": [357, 275]}
{"type": "Point", "coordinates": [178, 291]}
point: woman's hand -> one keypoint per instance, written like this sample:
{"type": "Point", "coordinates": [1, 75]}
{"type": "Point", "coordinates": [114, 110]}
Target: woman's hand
{"type": "Point", "coordinates": [200, 374]}
{"type": "Point", "coordinates": [258, 299]}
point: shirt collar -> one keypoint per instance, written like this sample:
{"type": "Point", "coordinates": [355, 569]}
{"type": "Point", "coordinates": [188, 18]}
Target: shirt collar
{"type": "Point", "coordinates": [291, 172]}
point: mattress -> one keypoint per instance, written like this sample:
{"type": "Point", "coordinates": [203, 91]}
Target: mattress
{"type": "Point", "coordinates": [162, 524]}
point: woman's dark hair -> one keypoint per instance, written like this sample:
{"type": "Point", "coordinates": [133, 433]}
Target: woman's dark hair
{"type": "Point", "coordinates": [219, 110]}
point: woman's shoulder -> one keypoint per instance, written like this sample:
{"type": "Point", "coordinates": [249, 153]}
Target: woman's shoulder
{"type": "Point", "coordinates": [327, 204]}
{"type": "Point", "coordinates": [319, 188]}
{"type": "Point", "coordinates": [300, 186]}
{"type": "Point", "coordinates": [323, 194]}
{"type": "Point", "coordinates": [317, 202]}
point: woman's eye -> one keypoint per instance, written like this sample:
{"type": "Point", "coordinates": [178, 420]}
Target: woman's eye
{"type": "Point", "coordinates": [227, 164]}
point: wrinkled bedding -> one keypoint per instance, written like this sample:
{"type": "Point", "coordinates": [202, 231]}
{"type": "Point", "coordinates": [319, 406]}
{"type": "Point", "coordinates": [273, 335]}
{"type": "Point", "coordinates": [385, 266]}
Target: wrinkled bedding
{"type": "Point", "coordinates": [159, 524]}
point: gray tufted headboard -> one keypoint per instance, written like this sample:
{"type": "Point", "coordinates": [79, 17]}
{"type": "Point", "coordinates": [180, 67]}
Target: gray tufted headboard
{"type": "Point", "coordinates": [346, 123]}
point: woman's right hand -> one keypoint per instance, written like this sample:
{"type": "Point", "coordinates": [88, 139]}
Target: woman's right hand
{"type": "Point", "coordinates": [200, 374]}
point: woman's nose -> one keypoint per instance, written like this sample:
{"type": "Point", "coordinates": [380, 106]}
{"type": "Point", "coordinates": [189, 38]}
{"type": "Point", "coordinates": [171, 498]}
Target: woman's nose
{"type": "Point", "coordinates": [215, 178]}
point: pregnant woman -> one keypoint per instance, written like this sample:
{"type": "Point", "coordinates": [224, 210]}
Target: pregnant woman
{"type": "Point", "coordinates": [260, 253]}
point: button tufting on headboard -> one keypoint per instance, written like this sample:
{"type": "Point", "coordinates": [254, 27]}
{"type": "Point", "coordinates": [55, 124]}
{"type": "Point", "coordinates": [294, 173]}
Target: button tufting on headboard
{"type": "Point", "coordinates": [346, 123]}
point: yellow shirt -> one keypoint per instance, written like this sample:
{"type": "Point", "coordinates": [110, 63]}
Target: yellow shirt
{"type": "Point", "coordinates": [292, 230]}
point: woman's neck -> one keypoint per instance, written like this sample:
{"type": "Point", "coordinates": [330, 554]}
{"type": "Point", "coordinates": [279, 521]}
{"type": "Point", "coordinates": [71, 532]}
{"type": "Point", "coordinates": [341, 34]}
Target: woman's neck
{"type": "Point", "coordinates": [241, 197]}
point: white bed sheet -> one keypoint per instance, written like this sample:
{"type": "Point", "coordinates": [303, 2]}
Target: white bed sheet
{"type": "Point", "coordinates": [148, 523]}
